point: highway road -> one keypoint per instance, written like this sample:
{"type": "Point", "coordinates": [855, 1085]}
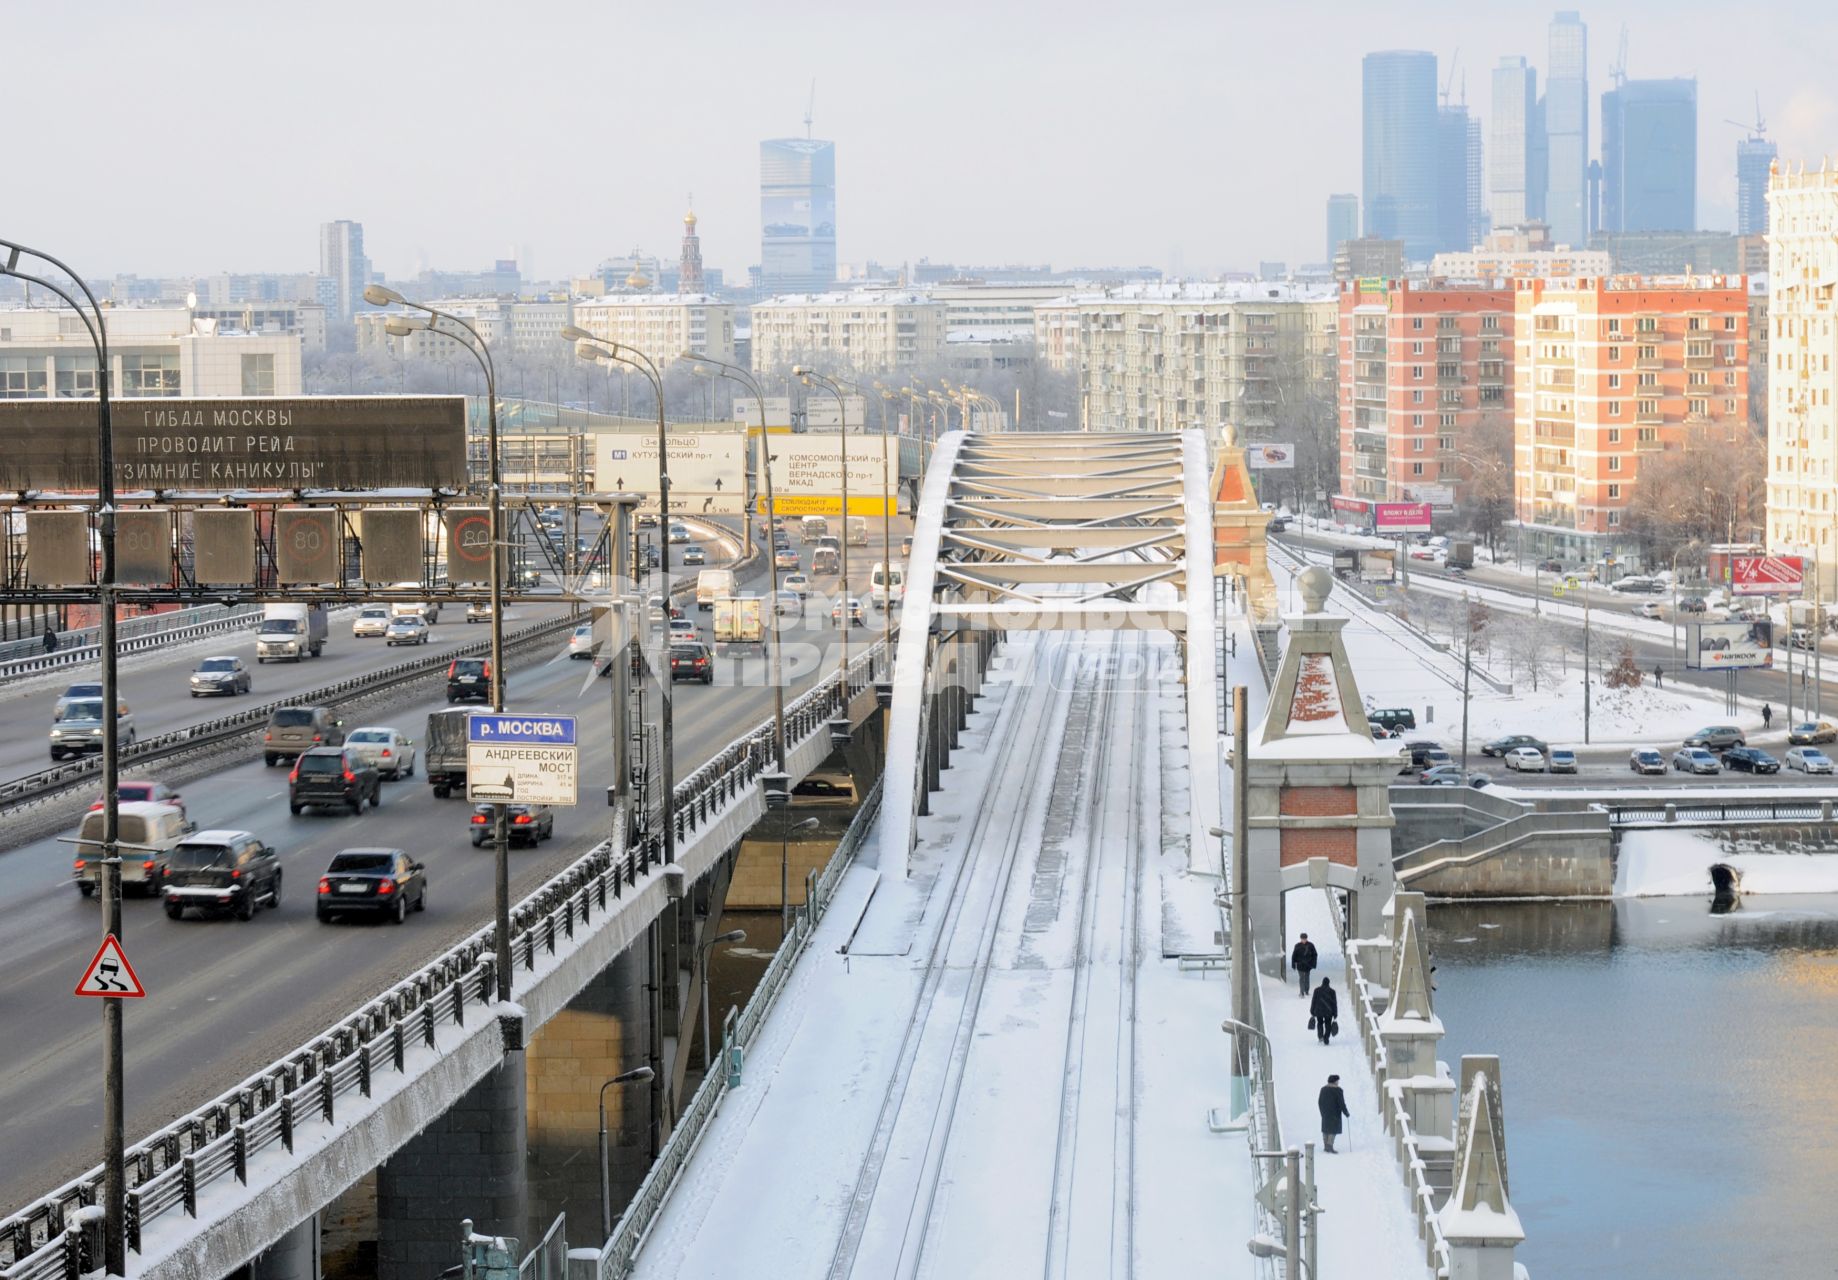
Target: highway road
{"type": "Point", "coordinates": [228, 997]}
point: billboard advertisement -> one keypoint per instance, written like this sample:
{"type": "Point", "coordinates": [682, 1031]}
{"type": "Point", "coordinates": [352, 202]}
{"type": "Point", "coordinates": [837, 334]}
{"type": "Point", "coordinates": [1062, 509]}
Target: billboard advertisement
{"type": "Point", "coordinates": [1729, 646]}
{"type": "Point", "coordinates": [1350, 506]}
{"type": "Point", "coordinates": [1767, 575]}
{"type": "Point", "coordinates": [708, 471]}
{"type": "Point", "coordinates": [1401, 517]}
{"type": "Point", "coordinates": [1270, 457]}
{"type": "Point", "coordinates": [219, 445]}
{"type": "Point", "coordinates": [1437, 495]}
{"type": "Point", "coordinates": [807, 474]}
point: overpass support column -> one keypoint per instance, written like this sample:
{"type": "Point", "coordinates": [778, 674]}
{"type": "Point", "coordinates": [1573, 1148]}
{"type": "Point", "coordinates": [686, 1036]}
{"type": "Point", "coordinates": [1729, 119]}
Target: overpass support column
{"type": "Point", "coordinates": [469, 1164]}
{"type": "Point", "coordinates": [295, 1256]}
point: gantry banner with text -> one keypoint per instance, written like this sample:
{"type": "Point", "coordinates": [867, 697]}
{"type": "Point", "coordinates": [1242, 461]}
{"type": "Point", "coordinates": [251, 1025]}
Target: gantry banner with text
{"type": "Point", "coordinates": [807, 474]}
{"type": "Point", "coordinates": [708, 469]}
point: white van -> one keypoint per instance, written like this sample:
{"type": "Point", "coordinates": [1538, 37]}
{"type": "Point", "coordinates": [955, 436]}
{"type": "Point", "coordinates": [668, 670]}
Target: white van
{"type": "Point", "coordinates": [812, 528]}
{"type": "Point", "coordinates": [427, 610]}
{"type": "Point", "coordinates": [713, 585]}
{"type": "Point", "coordinates": [152, 827]}
{"type": "Point", "coordinates": [883, 593]}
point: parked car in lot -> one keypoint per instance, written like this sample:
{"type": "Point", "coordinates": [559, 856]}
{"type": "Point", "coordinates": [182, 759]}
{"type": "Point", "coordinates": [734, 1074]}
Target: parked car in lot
{"type": "Point", "coordinates": [385, 882]}
{"type": "Point", "coordinates": [527, 823]}
{"type": "Point", "coordinates": [220, 871]}
{"type": "Point", "coordinates": [1393, 718]}
{"type": "Point", "coordinates": [389, 751]}
{"type": "Point", "coordinates": [1750, 760]}
{"type": "Point", "coordinates": [1695, 760]}
{"type": "Point", "coordinates": [1441, 775]}
{"type": "Point", "coordinates": [407, 629]}
{"type": "Point", "coordinates": [691, 660]}
{"type": "Point", "coordinates": [1808, 760]}
{"type": "Point", "coordinates": [1718, 737]}
{"type": "Point", "coordinates": [1810, 733]}
{"type": "Point", "coordinates": [292, 730]}
{"type": "Point", "coordinates": [1646, 760]}
{"type": "Point", "coordinates": [1525, 760]}
{"type": "Point", "coordinates": [332, 776]}
{"type": "Point", "coordinates": [694, 555]}
{"type": "Point", "coordinates": [469, 680]}
{"type": "Point", "coordinates": [1437, 758]}
{"type": "Point", "coordinates": [1512, 742]}
{"type": "Point", "coordinates": [1420, 749]}
{"type": "Point", "coordinates": [76, 728]}
{"type": "Point", "coordinates": [1562, 760]}
{"type": "Point", "coordinates": [220, 675]}
{"type": "Point", "coordinates": [152, 829]}
{"type": "Point", "coordinates": [371, 622]}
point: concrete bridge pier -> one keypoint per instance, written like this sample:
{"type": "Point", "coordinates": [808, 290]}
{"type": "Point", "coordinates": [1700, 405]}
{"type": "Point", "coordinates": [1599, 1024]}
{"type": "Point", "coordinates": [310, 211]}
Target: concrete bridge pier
{"type": "Point", "coordinates": [295, 1256]}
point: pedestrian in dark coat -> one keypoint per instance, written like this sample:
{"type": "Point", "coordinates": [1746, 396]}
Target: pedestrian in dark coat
{"type": "Point", "coordinates": [1767, 715]}
{"type": "Point", "coordinates": [1659, 676]}
{"type": "Point", "coordinates": [1303, 959]}
{"type": "Point", "coordinates": [1324, 1008]}
{"type": "Point", "coordinates": [50, 640]}
{"type": "Point", "coordinates": [1333, 1104]}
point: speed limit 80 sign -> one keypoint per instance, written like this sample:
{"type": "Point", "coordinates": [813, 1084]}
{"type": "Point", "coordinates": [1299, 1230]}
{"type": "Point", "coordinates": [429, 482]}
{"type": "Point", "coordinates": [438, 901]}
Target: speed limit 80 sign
{"type": "Point", "coordinates": [307, 545]}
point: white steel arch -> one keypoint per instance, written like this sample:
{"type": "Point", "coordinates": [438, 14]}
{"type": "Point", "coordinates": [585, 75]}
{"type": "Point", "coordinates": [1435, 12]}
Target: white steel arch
{"type": "Point", "coordinates": [1063, 531]}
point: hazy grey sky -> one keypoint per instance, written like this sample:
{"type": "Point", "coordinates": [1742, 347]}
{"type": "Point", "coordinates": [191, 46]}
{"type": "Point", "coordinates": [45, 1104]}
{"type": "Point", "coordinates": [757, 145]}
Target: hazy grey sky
{"type": "Point", "coordinates": [184, 136]}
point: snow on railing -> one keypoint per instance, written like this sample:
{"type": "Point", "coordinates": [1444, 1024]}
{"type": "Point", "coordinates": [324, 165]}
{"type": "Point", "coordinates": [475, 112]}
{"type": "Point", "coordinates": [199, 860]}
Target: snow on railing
{"type": "Point", "coordinates": [22, 658]}
{"type": "Point", "coordinates": [1266, 1128]}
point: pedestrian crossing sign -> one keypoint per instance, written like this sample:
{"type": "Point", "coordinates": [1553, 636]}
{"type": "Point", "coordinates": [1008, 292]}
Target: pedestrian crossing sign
{"type": "Point", "coordinates": [110, 975]}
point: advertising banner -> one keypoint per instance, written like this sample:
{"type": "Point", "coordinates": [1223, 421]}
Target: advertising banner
{"type": "Point", "coordinates": [1767, 575]}
{"type": "Point", "coordinates": [1401, 517]}
{"type": "Point", "coordinates": [1351, 506]}
{"type": "Point", "coordinates": [807, 474]}
{"type": "Point", "coordinates": [269, 442]}
{"type": "Point", "coordinates": [1437, 495]}
{"type": "Point", "coordinates": [1727, 646]}
{"type": "Point", "coordinates": [1270, 457]}
{"type": "Point", "coordinates": [708, 471]}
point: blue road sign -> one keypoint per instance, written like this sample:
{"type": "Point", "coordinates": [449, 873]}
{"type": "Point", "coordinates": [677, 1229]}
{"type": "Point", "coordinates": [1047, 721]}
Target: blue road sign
{"type": "Point", "coordinates": [533, 731]}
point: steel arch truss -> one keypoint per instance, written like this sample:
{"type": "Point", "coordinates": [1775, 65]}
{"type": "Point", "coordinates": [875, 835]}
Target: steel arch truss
{"type": "Point", "coordinates": [1061, 532]}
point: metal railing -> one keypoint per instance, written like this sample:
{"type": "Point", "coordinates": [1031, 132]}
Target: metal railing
{"type": "Point", "coordinates": [171, 1169]}
{"type": "Point", "coordinates": [549, 1259]}
{"type": "Point", "coordinates": [1692, 811]}
{"type": "Point", "coordinates": [75, 648]}
{"type": "Point", "coordinates": [1266, 1126]}
{"type": "Point", "coordinates": [620, 1252]}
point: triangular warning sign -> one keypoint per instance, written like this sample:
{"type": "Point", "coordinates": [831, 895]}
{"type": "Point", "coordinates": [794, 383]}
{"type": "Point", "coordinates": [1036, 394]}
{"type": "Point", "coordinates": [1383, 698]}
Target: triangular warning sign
{"type": "Point", "coordinates": [110, 975]}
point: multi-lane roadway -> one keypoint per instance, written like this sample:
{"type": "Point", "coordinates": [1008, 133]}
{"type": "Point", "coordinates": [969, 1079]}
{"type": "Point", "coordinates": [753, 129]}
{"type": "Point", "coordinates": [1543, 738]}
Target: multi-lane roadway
{"type": "Point", "coordinates": [227, 997]}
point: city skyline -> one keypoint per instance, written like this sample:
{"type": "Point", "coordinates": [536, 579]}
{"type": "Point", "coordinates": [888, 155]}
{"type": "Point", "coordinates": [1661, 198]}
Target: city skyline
{"type": "Point", "coordinates": [923, 167]}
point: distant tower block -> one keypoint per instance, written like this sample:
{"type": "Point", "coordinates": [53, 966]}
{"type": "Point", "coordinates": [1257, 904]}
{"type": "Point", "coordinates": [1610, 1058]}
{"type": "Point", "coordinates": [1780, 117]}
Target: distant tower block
{"type": "Point", "coordinates": [689, 270]}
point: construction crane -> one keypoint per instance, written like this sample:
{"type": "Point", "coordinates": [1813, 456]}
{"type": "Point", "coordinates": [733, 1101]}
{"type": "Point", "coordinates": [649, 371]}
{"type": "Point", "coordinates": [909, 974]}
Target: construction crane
{"type": "Point", "coordinates": [1449, 81]}
{"type": "Point", "coordinates": [1759, 130]}
{"type": "Point", "coordinates": [810, 108]}
{"type": "Point", "coordinates": [1617, 72]}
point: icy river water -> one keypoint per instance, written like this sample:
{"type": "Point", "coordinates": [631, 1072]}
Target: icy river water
{"type": "Point", "coordinates": [1671, 1078]}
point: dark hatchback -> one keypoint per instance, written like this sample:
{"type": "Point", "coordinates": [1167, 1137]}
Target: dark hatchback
{"type": "Point", "coordinates": [221, 871]}
{"type": "Point", "coordinates": [384, 882]}
{"type": "Point", "coordinates": [523, 823]}
{"type": "Point", "coordinates": [332, 777]}
{"type": "Point", "coordinates": [691, 660]}
{"type": "Point", "coordinates": [1750, 760]}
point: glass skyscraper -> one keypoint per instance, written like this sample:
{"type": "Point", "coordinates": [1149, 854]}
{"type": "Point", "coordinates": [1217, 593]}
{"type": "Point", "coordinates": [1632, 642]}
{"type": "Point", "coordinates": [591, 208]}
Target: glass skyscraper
{"type": "Point", "coordinates": [1516, 161]}
{"type": "Point", "coordinates": [1650, 156]}
{"type": "Point", "coordinates": [1342, 222]}
{"type": "Point", "coordinates": [797, 214]}
{"type": "Point", "coordinates": [1399, 150]}
{"type": "Point", "coordinates": [1754, 157]}
{"type": "Point", "coordinates": [1566, 130]}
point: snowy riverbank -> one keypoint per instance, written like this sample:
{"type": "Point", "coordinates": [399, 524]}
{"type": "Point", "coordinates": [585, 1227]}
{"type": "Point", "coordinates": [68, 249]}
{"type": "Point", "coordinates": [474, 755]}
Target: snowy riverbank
{"type": "Point", "coordinates": [1676, 863]}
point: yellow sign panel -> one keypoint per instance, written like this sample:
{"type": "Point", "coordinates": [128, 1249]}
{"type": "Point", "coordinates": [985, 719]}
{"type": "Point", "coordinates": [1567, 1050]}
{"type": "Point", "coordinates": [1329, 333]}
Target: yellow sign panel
{"type": "Point", "coordinates": [819, 504]}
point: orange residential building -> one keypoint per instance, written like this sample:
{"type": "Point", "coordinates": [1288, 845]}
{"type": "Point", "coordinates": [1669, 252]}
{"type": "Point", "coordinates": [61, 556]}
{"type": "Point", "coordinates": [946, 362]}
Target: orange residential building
{"type": "Point", "coordinates": [1422, 364]}
{"type": "Point", "coordinates": [1609, 371]}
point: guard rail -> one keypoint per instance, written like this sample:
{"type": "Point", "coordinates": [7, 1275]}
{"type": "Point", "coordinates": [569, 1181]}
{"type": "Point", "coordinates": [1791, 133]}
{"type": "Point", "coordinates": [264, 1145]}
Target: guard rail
{"type": "Point", "coordinates": [170, 1169]}
{"type": "Point", "coordinates": [133, 635]}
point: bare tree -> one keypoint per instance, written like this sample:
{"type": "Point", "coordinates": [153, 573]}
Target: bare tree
{"type": "Point", "coordinates": [1534, 646]}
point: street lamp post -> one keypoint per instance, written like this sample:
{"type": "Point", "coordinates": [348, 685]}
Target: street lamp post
{"type": "Point", "coordinates": [810, 376]}
{"type": "Point", "coordinates": [732, 935]}
{"type": "Point", "coordinates": [588, 347]}
{"type": "Point", "coordinates": [785, 834]}
{"type": "Point", "coordinates": [637, 1075]}
{"type": "Point", "coordinates": [114, 1123]}
{"type": "Point", "coordinates": [401, 326]}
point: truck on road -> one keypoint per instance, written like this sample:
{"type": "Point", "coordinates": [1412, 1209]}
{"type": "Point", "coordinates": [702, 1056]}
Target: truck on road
{"type": "Point", "coordinates": [712, 585]}
{"type": "Point", "coordinates": [739, 620]}
{"type": "Point", "coordinates": [443, 751]}
{"type": "Point", "coordinates": [291, 632]}
{"type": "Point", "coordinates": [857, 529]}
{"type": "Point", "coordinates": [1461, 555]}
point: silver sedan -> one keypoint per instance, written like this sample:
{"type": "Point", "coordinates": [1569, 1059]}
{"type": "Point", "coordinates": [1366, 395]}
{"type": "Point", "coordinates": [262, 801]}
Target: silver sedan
{"type": "Point", "coordinates": [386, 750]}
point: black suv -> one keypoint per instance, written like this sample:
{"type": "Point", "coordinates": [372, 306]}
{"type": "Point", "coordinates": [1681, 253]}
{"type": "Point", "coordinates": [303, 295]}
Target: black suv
{"type": "Point", "coordinates": [469, 680]}
{"type": "Point", "coordinates": [1393, 718]}
{"type": "Point", "coordinates": [1512, 742]}
{"type": "Point", "coordinates": [332, 776]}
{"type": "Point", "coordinates": [221, 871]}
{"type": "Point", "coordinates": [372, 882]}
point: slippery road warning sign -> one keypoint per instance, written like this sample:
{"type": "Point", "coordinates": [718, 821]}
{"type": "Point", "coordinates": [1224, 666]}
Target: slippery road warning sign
{"type": "Point", "coordinates": [110, 975]}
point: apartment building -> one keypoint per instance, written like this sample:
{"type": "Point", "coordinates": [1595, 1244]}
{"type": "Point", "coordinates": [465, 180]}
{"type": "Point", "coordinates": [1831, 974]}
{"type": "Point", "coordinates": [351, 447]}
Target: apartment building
{"type": "Point", "coordinates": [1056, 334]}
{"type": "Point", "coordinates": [1609, 372]}
{"type": "Point", "coordinates": [1166, 357]}
{"type": "Point", "coordinates": [153, 351]}
{"type": "Point", "coordinates": [867, 331]}
{"type": "Point", "coordinates": [1425, 366]}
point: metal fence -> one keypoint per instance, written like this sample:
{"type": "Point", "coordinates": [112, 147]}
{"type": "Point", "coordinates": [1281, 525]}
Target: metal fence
{"type": "Point", "coordinates": [19, 658]}
{"type": "Point", "coordinates": [549, 1259]}
{"type": "Point", "coordinates": [1266, 1126]}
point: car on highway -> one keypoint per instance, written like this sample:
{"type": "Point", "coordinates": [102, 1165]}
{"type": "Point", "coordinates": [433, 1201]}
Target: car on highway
{"type": "Point", "coordinates": [82, 689]}
{"type": "Point", "coordinates": [526, 823]}
{"type": "Point", "coordinates": [1718, 737]}
{"type": "Point", "coordinates": [220, 871]}
{"type": "Point", "coordinates": [906, 545]}
{"type": "Point", "coordinates": [292, 730]}
{"type": "Point", "coordinates": [691, 660]}
{"type": "Point", "coordinates": [1750, 760]}
{"type": "Point", "coordinates": [1811, 733]}
{"type": "Point", "coordinates": [407, 629]}
{"type": "Point", "coordinates": [1525, 760]}
{"type": "Point", "coordinates": [385, 882]}
{"type": "Point", "coordinates": [143, 791]}
{"type": "Point", "coordinates": [1636, 584]}
{"type": "Point", "coordinates": [1808, 760]}
{"type": "Point", "coordinates": [76, 727]}
{"type": "Point", "coordinates": [1646, 760]}
{"type": "Point", "coordinates": [786, 558]}
{"type": "Point", "coordinates": [1692, 604]}
{"type": "Point", "coordinates": [328, 777]}
{"type": "Point", "coordinates": [479, 611]}
{"type": "Point", "coordinates": [389, 751]}
{"type": "Point", "coordinates": [647, 520]}
{"type": "Point", "coordinates": [1393, 718]}
{"type": "Point", "coordinates": [1695, 760]}
{"type": "Point", "coordinates": [1649, 609]}
{"type": "Point", "coordinates": [220, 675]}
{"type": "Point", "coordinates": [581, 641]}
{"type": "Point", "coordinates": [147, 832]}
{"type": "Point", "coordinates": [371, 622]}
{"type": "Point", "coordinates": [469, 680]}
{"type": "Point", "coordinates": [1562, 760]}
{"type": "Point", "coordinates": [799, 583]}
{"type": "Point", "coordinates": [682, 629]}
{"type": "Point", "coordinates": [1551, 566]}
{"type": "Point", "coordinates": [856, 617]}
{"type": "Point", "coordinates": [786, 601]}
{"type": "Point", "coordinates": [1512, 742]}
{"type": "Point", "coordinates": [694, 554]}
{"type": "Point", "coordinates": [648, 556]}
{"type": "Point", "coordinates": [679, 533]}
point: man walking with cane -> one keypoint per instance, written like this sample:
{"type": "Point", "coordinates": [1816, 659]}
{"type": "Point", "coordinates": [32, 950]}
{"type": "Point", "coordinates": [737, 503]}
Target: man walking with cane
{"type": "Point", "coordinates": [1303, 959]}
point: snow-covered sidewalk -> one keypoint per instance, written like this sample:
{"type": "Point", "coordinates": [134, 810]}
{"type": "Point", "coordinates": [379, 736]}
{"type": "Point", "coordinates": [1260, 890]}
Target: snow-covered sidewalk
{"type": "Point", "coordinates": [1366, 1228]}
